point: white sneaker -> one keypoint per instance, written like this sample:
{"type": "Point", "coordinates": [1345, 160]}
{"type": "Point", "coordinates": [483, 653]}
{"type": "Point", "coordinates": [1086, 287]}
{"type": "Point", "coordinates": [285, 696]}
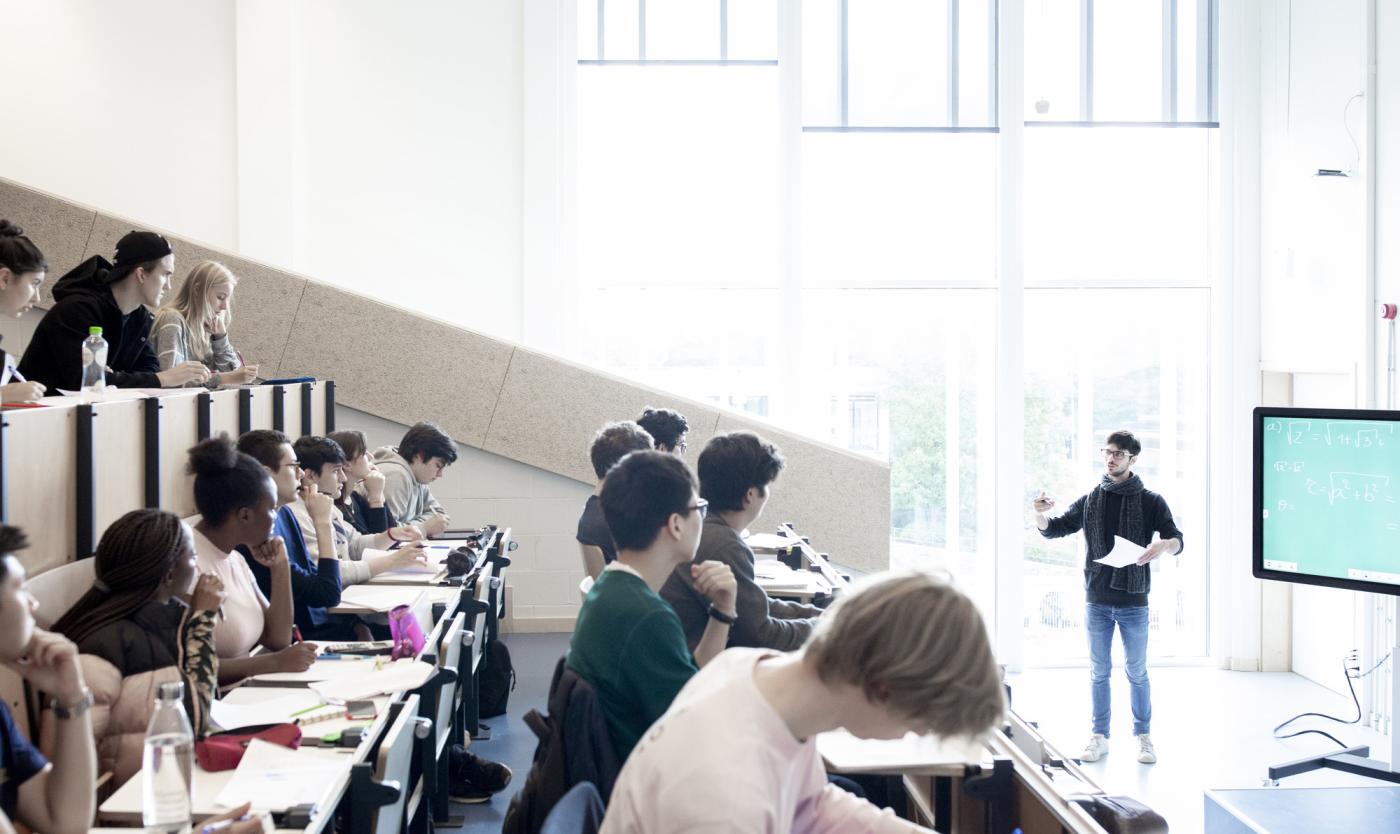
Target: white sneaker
{"type": "Point", "coordinates": [1146, 754]}
{"type": "Point", "coordinates": [1096, 749]}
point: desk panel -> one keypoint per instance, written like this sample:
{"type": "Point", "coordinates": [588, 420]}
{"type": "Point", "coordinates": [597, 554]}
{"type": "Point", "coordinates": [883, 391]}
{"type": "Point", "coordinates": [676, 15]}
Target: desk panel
{"type": "Point", "coordinates": [41, 477]}
{"type": "Point", "coordinates": [223, 413]}
{"type": "Point", "coordinates": [179, 430]}
{"type": "Point", "coordinates": [118, 461]}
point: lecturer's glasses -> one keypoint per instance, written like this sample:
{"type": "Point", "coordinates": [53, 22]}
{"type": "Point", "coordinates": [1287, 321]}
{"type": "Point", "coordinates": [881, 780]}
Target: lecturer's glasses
{"type": "Point", "coordinates": [1116, 454]}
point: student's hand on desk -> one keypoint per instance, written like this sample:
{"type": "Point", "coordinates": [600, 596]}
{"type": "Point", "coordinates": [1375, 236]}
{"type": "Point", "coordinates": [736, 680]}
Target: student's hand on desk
{"type": "Point", "coordinates": [22, 392]}
{"type": "Point", "coordinates": [270, 553]}
{"type": "Point", "coordinates": [297, 657]}
{"type": "Point", "coordinates": [435, 524]}
{"type": "Point", "coordinates": [252, 825]}
{"type": "Point", "coordinates": [318, 504]}
{"type": "Point", "coordinates": [183, 373]}
{"type": "Point", "coordinates": [406, 533]}
{"type": "Point", "coordinates": [208, 593]}
{"type": "Point", "coordinates": [50, 664]}
{"type": "Point", "coordinates": [239, 376]}
{"type": "Point", "coordinates": [407, 557]}
{"type": "Point", "coordinates": [716, 581]}
{"type": "Point", "coordinates": [374, 487]}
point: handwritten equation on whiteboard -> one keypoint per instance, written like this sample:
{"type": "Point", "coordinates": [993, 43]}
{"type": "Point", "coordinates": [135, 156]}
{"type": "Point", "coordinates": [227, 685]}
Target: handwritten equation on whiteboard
{"type": "Point", "coordinates": [1327, 460]}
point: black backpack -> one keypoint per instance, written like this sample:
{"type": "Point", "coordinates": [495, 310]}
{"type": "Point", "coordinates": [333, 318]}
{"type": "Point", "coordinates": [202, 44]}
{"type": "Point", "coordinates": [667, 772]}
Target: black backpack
{"type": "Point", "coordinates": [497, 679]}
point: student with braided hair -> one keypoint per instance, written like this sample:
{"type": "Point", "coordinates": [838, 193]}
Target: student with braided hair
{"type": "Point", "coordinates": [148, 619]}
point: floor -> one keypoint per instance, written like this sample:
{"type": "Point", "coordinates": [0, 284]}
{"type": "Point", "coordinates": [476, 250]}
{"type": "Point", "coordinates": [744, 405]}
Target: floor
{"type": "Point", "coordinates": [1211, 729]}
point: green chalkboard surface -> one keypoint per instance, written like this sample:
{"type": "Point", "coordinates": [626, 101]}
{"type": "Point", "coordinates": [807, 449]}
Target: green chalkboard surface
{"type": "Point", "coordinates": [1328, 494]}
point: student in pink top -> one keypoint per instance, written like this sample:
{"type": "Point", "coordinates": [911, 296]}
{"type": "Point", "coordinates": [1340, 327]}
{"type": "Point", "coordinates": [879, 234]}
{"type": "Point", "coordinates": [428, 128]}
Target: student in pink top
{"type": "Point", "coordinates": [898, 653]}
{"type": "Point", "coordinates": [237, 502]}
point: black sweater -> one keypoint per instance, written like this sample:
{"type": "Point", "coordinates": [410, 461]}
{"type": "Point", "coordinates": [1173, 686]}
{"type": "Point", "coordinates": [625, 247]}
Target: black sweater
{"type": "Point", "coordinates": [1156, 517]}
{"type": "Point", "coordinates": [83, 299]}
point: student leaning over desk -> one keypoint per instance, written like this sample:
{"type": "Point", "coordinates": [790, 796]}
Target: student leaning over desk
{"type": "Point", "coordinates": [194, 325]}
{"type": "Point", "coordinates": [237, 502]}
{"type": "Point", "coordinates": [22, 271]}
{"type": "Point", "coordinates": [149, 618]}
{"type": "Point", "coordinates": [113, 296]}
{"type": "Point", "coordinates": [52, 795]}
{"type": "Point", "coordinates": [419, 459]}
{"type": "Point", "coordinates": [736, 751]}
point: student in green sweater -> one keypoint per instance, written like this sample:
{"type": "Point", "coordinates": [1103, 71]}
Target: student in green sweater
{"type": "Point", "coordinates": [628, 643]}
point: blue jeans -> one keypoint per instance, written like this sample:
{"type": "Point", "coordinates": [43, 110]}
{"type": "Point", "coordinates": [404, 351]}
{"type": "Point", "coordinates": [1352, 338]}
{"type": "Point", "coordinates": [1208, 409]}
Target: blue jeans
{"type": "Point", "coordinates": [1132, 622]}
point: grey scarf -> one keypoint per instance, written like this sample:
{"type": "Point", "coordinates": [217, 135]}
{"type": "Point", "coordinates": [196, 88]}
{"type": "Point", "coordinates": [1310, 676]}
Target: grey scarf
{"type": "Point", "coordinates": [1133, 579]}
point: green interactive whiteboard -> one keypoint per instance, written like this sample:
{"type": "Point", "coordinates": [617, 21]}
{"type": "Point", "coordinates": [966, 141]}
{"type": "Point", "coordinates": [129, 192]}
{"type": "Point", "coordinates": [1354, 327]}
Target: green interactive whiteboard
{"type": "Point", "coordinates": [1327, 497]}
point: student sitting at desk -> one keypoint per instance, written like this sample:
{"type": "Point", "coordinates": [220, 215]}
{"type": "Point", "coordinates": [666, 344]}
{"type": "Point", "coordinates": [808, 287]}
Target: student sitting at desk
{"type": "Point", "coordinates": [610, 445]}
{"type": "Point", "coordinates": [666, 427]}
{"type": "Point", "coordinates": [737, 471]}
{"type": "Point", "coordinates": [628, 643]}
{"type": "Point", "coordinates": [323, 466]}
{"type": "Point", "coordinates": [57, 798]}
{"type": "Point", "coordinates": [362, 500]}
{"type": "Point", "coordinates": [419, 459]}
{"type": "Point", "coordinates": [22, 271]}
{"type": "Point", "coordinates": [113, 296]}
{"type": "Point", "coordinates": [194, 325]}
{"type": "Point", "coordinates": [315, 579]}
{"type": "Point", "coordinates": [148, 619]}
{"type": "Point", "coordinates": [736, 751]}
{"type": "Point", "coordinates": [237, 503]}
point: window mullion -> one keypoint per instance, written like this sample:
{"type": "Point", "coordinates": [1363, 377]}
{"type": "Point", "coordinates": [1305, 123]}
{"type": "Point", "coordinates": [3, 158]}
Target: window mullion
{"type": "Point", "coordinates": [953, 62]}
{"type": "Point", "coordinates": [1169, 52]}
{"type": "Point", "coordinates": [1086, 60]}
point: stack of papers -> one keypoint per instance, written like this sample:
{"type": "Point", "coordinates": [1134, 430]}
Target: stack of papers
{"type": "Point", "coordinates": [388, 678]}
{"type": "Point", "coordinates": [227, 715]}
{"type": "Point", "coordinates": [274, 778]}
{"type": "Point", "coordinates": [768, 542]}
{"type": "Point", "coordinates": [773, 575]}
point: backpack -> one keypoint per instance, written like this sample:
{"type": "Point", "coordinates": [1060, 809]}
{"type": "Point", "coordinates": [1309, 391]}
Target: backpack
{"type": "Point", "coordinates": [497, 679]}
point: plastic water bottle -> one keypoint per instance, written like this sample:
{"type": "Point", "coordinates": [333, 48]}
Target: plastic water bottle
{"type": "Point", "coordinates": [167, 767]}
{"type": "Point", "coordinates": [94, 362]}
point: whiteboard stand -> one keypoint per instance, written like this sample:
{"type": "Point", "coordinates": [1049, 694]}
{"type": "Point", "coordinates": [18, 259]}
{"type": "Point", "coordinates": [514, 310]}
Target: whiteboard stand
{"type": "Point", "coordinates": [1355, 759]}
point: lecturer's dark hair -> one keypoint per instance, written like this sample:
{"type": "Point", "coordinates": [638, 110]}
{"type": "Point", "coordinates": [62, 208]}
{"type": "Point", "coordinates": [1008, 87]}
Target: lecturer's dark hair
{"type": "Point", "coordinates": [17, 252]}
{"type": "Point", "coordinates": [1126, 441]}
{"type": "Point", "coordinates": [225, 479]}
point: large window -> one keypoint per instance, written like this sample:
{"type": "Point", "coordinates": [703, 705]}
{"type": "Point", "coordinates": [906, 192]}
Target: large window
{"type": "Point", "coordinates": [875, 326]}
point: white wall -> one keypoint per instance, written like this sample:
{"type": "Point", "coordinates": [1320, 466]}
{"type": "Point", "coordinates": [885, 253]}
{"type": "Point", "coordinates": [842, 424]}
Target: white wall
{"type": "Point", "coordinates": [380, 152]}
{"type": "Point", "coordinates": [1314, 287]}
{"type": "Point", "coordinates": [126, 106]}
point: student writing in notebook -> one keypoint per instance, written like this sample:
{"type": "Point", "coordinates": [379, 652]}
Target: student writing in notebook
{"type": "Point", "coordinates": [56, 794]}
{"type": "Point", "coordinates": [194, 325]}
{"type": "Point", "coordinates": [22, 271]}
{"type": "Point", "coordinates": [419, 459]}
{"type": "Point", "coordinates": [237, 502]}
{"type": "Point", "coordinates": [149, 618]}
{"type": "Point", "coordinates": [736, 751]}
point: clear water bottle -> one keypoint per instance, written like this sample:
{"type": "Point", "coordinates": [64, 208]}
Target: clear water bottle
{"type": "Point", "coordinates": [94, 362]}
{"type": "Point", "coordinates": [167, 768]}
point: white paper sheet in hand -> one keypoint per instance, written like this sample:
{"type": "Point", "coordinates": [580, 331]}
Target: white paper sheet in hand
{"type": "Point", "coordinates": [274, 778]}
{"type": "Point", "coordinates": [1124, 553]}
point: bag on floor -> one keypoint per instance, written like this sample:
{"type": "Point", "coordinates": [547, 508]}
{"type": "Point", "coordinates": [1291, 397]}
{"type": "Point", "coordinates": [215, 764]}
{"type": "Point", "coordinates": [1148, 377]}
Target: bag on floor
{"type": "Point", "coordinates": [497, 679]}
{"type": "Point", "coordinates": [1122, 814]}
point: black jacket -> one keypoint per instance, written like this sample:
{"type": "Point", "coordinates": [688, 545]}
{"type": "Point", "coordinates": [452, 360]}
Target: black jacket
{"type": "Point", "coordinates": [83, 299]}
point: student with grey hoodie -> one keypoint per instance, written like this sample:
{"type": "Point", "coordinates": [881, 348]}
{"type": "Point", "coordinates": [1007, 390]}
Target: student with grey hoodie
{"type": "Point", "coordinates": [419, 459]}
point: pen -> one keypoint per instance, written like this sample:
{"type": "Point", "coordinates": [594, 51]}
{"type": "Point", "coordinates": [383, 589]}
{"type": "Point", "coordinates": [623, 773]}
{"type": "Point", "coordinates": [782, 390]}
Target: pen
{"type": "Point", "coordinates": [222, 824]}
{"type": "Point", "coordinates": [16, 375]}
{"type": "Point", "coordinates": [296, 634]}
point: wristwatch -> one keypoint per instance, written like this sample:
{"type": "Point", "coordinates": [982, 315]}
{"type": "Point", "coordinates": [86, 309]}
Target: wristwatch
{"type": "Point", "coordinates": [74, 710]}
{"type": "Point", "coordinates": [727, 619]}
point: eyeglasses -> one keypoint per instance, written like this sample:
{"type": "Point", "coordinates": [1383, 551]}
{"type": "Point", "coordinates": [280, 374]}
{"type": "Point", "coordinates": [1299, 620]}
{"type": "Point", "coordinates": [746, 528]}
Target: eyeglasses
{"type": "Point", "coordinates": [701, 504]}
{"type": "Point", "coordinates": [1116, 454]}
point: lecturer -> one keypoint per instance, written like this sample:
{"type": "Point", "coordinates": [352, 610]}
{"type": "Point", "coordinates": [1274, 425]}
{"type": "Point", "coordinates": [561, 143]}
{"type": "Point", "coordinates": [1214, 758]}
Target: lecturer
{"type": "Point", "coordinates": [1119, 506]}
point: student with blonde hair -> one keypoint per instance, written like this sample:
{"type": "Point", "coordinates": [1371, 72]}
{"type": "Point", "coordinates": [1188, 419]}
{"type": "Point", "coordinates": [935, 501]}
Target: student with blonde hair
{"type": "Point", "coordinates": [899, 652]}
{"type": "Point", "coordinates": [194, 326]}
